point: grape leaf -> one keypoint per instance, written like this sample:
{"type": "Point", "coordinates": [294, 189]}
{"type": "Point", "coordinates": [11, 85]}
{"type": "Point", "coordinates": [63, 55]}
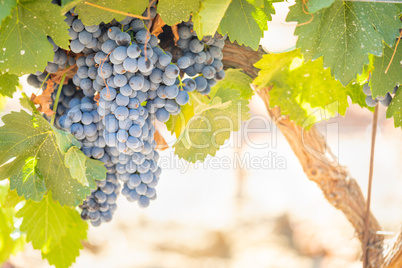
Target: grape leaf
{"type": "Point", "coordinates": [382, 82]}
{"type": "Point", "coordinates": [11, 199]}
{"type": "Point", "coordinates": [5, 238]}
{"type": "Point", "coordinates": [84, 169]}
{"type": "Point", "coordinates": [54, 229]}
{"type": "Point", "coordinates": [175, 11]}
{"type": "Point", "coordinates": [257, 3]}
{"type": "Point", "coordinates": [75, 160]}
{"type": "Point", "coordinates": [25, 136]}
{"type": "Point", "coordinates": [8, 84]}
{"type": "Point", "coordinates": [394, 109]}
{"type": "Point", "coordinates": [67, 5]}
{"type": "Point", "coordinates": [28, 181]}
{"type": "Point", "coordinates": [206, 21]}
{"type": "Point", "coordinates": [64, 253]}
{"type": "Point", "coordinates": [177, 123]}
{"type": "Point", "coordinates": [215, 118]}
{"type": "Point", "coordinates": [303, 90]}
{"type": "Point", "coordinates": [65, 139]}
{"type": "Point", "coordinates": [237, 79]}
{"type": "Point", "coordinates": [315, 5]}
{"type": "Point", "coordinates": [345, 33]}
{"type": "Point", "coordinates": [6, 6]}
{"type": "Point", "coordinates": [24, 47]}
{"type": "Point", "coordinates": [95, 170]}
{"type": "Point", "coordinates": [245, 23]}
{"type": "Point", "coordinates": [92, 15]}
{"type": "Point", "coordinates": [45, 223]}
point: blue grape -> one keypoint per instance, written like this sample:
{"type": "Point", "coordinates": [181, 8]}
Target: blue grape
{"type": "Point", "coordinates": [120, 53]}
{"type": "Point", "coordinates": [130, 65]}
{"type": "Point", "coordinates": [123, 39]}
{"type": "Point", "coordinates": [182, 98]}
{"type": "Point", "coordinates": [120, 80]}
{"type": "Point", "coordinates": [171, 92]}
{"type": "Point", "coordinates": [162, 115]}
{"type": "Point", "coordinates": [108, 93]}
{"type": "Point", "coordinates": [121, 113]}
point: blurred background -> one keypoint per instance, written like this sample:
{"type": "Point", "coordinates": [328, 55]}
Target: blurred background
{"type": "Point", "coordinates": [251, 216]}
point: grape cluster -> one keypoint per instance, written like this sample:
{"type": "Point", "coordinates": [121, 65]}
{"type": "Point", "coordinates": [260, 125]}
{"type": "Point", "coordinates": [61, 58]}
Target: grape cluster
{"type": "Point", "coordinates": [101, 204]}
{"type": "Point", "coordinates": [123, 82]}
{"type": "Point", "coordinates": [384, 100]}
{"type": "Point", "coordinates": [201, 59]}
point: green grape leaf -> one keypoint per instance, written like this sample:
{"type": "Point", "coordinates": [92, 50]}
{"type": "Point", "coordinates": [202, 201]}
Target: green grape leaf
{"type": "Point", "coordinates": [382, 82]}
{"type": "Point", "coordinates": [237, 79]}
{"type": "Point", "coordinates": [394, 109]}
{"type": "Point", "coordinates": [75, 160]}
{"type": "Point", "coordinates": [315, 5]}
{"type": "Point", "coordinates": [345, 34]}
{"type": "Point", "coordinates": [6, 6]}
{"type": "Point", "coordinates": [54, 229]}
{"type": "Point", "coordinates": [214, 120]}
{"type": "Point", "coordinates": [206, 21]}
{"type": "Point", "coordinates": [303, 90]}
{"type": "Point", "coordinates": [12, 199]}
{"type": "Point", "coordinates": [25, 136]}
{"type": "Point", "coordinates": [45, 223]}
{"type": "Point", "coordinates": [95, 170]}
{"type": "Point", "coordinates": [93, 15]}
{"type": "Point", "coordinates": [245, 23]}
{"type": "Point", "coordinates": [84, 169]}
{"type": "Point", "coordinates": [357, 96]}
{"type": "Point", "coordinates": [28, 181]}
{"type": "Point", "coordinates": [24, 47]}
{"type": "Point", "coordinates": [6, 227]}
{"type": "Point", "coordinates": [257, 3]}
{"type": "Point", "coordinates": [175, 11]}
{"type": "Point", "coordinates": [177, 123]}
{"type": "Point", "coordinates": [65, 140]}
{"type": "Point", "coordinates": [67, 5]}
{"type": "Point", "coordinates": [63, 254]}
{"type": "Point", "coordinates": [8, 84]}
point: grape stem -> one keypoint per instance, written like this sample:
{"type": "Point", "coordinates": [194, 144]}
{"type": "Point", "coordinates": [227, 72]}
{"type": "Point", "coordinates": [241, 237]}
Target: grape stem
{"type": "Point", "coordinates": [56, 101]}
{"type": "Point", "coordinates": [366, 235]}
{"type": "Point", "coordinates": [41, 86]}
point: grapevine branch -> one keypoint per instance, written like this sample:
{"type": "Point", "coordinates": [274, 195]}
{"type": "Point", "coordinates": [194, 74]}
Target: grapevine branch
{"type": "Point", "coordinates": [366, 235]}
{"type": "Point", "coordinates": [337, 185]}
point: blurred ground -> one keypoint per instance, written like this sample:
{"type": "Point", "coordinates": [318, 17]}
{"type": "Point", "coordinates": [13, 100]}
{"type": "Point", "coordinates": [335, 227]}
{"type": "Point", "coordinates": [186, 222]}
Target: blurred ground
{"type": "Point", "coordinates": [252, 217]}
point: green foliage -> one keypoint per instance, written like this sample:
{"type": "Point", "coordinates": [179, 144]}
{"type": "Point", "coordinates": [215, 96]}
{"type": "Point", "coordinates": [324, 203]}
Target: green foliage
{"type": "Point", "coordinates": [206, 21]}
{"type": "Point", "coordinates": [251, 22]}
{"type": "Point", "coordinates": [257, 3]}
{"type": "Point", "coordinates": [24, 47]}
{"type": "Point", "coordinates": [39, 165]}
{"type": "Point", "coordinates": [8, 244]}
{"type": "Point", "coordinates": [86, 170]}
{"type": "Point", "coordinates": [175, 11]}
{"type": "Point", "coordinates": [29, 181]}
{"type": "Point", "coordinates": [6, 6]}
{"type": "Point", "coordinates": [382, 82]}
{"type": "Point", "coordinates": [304, 90]}
{"type": "Point", "coordinates": [345, 33]}
{"type": "Point", "coordinates": [205, 124]}
{"type": "Point", "coordinates": [236, 79]}
{"type": "Point", "coordinates": [92, 16]}
{"type": "Point", "coordinates": [54, 229]}
{"type": "Point", "coordinates": [315, 5]}
{"type": "Point", "coordinates": [394, 109]}
{"type": "Point", "coordinates": [8, 84]}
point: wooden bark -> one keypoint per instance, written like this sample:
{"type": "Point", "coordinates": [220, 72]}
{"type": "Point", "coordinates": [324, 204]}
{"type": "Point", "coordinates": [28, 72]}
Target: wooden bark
{"type": "Point", "coordinates": [321, 167]}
